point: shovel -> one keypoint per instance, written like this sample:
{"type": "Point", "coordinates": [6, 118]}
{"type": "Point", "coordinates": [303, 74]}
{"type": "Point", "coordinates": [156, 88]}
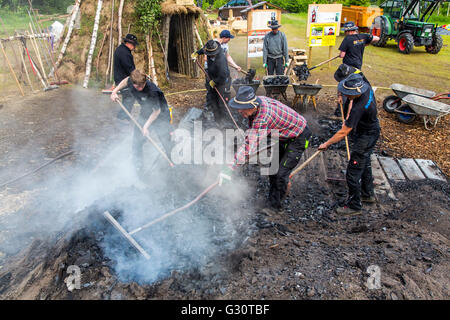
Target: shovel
{"type": "Point", "coordinates": [304, 70]}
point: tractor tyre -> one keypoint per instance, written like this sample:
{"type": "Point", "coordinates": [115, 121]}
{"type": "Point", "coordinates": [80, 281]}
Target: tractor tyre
{"type": "Point", "coordinates": [406, 43]}
{"type": "Point", "coordinates": [406, 118]}
{"type": "Point", "coordinates": [391, 103]}
{"type": "Point", "coordinates": [436, 44]}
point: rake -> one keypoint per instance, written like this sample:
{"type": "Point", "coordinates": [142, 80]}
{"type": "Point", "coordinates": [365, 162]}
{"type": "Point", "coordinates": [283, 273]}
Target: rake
{"type": "Point", "coordinates": [128, 235]}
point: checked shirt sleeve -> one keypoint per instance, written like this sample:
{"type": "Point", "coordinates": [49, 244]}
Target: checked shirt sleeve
{"type": "Point", "coordinates": [253, 137]}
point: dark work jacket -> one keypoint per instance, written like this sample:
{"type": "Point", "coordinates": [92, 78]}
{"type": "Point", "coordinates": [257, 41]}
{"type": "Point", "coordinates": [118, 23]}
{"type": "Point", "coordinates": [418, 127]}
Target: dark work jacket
{"type": "Point", "coordinates": [123, 63]}
{"type": "Point", "coordinates": [218, 69]}
{"type": "Point", "coordinates": [151, 98]}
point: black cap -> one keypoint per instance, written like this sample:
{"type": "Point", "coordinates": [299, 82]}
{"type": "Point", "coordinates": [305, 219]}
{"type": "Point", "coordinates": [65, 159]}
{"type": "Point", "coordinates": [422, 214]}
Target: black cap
{"type": "Point", "coordinates": [343, 71]}
{"type": "Point", "coordinates": [131, 38]}
{"type": "Point", "coordinates": [350, 26]}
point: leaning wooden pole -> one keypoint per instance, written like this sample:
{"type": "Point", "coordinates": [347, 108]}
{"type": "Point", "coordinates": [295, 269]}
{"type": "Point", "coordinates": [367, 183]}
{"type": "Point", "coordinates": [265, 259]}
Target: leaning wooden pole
{"type": "Point", "coordinates": [38, 54]}
{"type": "Point", "coordinates": [151, 61]}
{"type": "Point", "coordinates": [25, 67]}
{"type": "Point", "coordinates": [11, 68]}
{"type": "Point", "coordinates": [69, 33]}
{"type": "Point", "coordinates": [93, 42]}
{"type": "Point", "coordinates": [100, 52]}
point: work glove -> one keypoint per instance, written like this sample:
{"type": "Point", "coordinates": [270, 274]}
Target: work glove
{"type": "Point", "coordinates": [225, 175]}
{"type": "Point", "coordinates": [212, 83]}
{"type": "Point", "coordinates": [194, 55]}
{"type": "Point", "coordinates": [265, 65]}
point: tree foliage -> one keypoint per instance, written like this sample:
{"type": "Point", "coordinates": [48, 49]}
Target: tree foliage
{"type": "Point", "coordinates": [148, 13]}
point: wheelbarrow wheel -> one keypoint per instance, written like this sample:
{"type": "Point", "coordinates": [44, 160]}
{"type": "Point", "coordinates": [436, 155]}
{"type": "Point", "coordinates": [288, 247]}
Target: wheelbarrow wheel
{"type": "Point", "coordinates": [391, 103]}
{"type": "Point", "coordinates": [403, 117]}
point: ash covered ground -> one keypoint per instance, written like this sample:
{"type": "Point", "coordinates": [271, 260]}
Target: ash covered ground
{"type": "Point", "coordinates": [223, 247]}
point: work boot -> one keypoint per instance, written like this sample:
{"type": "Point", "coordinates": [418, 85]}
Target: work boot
{"type": "Point", "coordinates": [347, 211]}
{"type": "Point", "coordinates": [369, 199]}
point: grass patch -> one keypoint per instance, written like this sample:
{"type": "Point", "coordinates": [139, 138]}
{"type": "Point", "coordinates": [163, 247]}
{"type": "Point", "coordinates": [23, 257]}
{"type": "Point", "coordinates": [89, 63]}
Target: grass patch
{"type": "Point", "coordinates": [440, 20]}
{"type": "Point", "coordinates": [20, 21]}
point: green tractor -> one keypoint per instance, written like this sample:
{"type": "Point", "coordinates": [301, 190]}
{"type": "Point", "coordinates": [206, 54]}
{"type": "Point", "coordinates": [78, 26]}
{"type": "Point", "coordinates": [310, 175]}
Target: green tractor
{"type": "Point", "coordinates": [406, 21]}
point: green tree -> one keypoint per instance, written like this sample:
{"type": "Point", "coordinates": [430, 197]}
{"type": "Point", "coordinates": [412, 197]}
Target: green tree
{"type": "Point", "coordinates": [148, 13]}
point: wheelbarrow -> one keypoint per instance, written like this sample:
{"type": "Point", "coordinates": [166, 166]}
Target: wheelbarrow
{"type": "Point", "coordinates": [236, 85]}
{"type": "Point", "coordinates": [304, 92]}
{"type": "Point", "coordinates": [274, 90]}
{"type": "Point", "coordinates": [391, 103]}
{"type": "Point", "coordinates": [430, 109]}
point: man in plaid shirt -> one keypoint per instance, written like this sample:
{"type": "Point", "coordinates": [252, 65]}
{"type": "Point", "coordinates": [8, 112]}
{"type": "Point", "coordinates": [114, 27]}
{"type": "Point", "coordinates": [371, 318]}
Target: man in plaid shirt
{"type": "Point", "coordinates": [270, 117]}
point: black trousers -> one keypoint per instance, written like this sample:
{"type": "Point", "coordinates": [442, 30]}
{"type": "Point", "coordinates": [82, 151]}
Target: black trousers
{"type": "Point", "coordinates": [275, 66]}
{"type": "Point", "coordinates": [290, 152]}
{"type": "Point", "coordinates": [162, 128]}
{"type": "Point", "coordinates": [213, 101]}
{"type": "Point", "coordinates": [359, 169]}
{"type": "Point", "coordinates": [127, 101]}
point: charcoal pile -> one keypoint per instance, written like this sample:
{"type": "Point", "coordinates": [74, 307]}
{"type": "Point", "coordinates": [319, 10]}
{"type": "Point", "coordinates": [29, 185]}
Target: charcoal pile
{"type": "Point", "coordinates": [248, 80]}
{"type": "Point", "coordinates": [302, 72]}
{"type": "Point", "coordinates": [276, 81]}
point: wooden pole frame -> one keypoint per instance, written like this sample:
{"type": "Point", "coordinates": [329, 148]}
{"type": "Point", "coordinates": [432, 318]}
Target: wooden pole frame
{"type": "Point", "coordinates": [11, 68]}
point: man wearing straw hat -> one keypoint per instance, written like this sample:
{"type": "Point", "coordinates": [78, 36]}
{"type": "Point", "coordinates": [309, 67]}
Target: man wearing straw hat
{"type": "Point", "coordinates": [275, 50]}
{"type": "Point", "coordinates": [363, 121]}
{"type": "Point", "coordinates": [154, 112]}
{"type": "Point", "coordinates": [123, 65]}
{"type": "Point", "coordinates": [219, 78]}
{"type": "Point", "coordinates": [269, 117]}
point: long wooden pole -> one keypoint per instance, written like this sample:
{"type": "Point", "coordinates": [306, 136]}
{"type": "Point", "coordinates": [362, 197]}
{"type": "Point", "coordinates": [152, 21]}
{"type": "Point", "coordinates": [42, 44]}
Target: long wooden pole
{"type": "Point", "coordinates": [93, 42]}
{"type": "Point", "coordinates": [10, 68]}
{"type": "Point", "coordinates": [25, 67]}
{"type": "Point", "coordinates": [36, 49]}
{"type": "Point", "coordinates": [304, 164]}
{"type": "Point", "coordinates": [100, 52]}
{"type": "Point", "coordinates": [147, 136]}
{"type": "Point", "coordinates": [46, 46]}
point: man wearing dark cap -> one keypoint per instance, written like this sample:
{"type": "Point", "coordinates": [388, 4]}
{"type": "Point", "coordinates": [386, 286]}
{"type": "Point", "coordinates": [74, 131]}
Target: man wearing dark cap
{"type": "Point", "coordinates": [123, 65]}
{"type": "Point", "coordinates": [352, 47]}
{"type": "Point", "coordinates": [269, 117]}
{"type": "Point", "coordinates": [363, 121]}
{"type": "Point", "coordinates": [275, 50]}
{"type": "Point", "coordinates": [225, 37]}
{"type": "Point", "coordinates": [219, 78]}
{"type": "Point", "coordinates": [342, 72]}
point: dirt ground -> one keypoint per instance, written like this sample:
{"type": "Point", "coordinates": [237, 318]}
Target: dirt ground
{"type": "Point", "coordinates": [307, 252]}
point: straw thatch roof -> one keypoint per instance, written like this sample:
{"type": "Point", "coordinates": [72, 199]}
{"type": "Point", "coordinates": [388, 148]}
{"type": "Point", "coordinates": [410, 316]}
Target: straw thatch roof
{"type": "Point", "coordinates": [169, 7]}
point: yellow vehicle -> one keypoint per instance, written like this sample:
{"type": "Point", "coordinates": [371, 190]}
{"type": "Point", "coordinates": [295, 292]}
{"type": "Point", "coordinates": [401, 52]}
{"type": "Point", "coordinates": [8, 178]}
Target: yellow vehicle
{"type": "Point", "coordinates": [361, 16]}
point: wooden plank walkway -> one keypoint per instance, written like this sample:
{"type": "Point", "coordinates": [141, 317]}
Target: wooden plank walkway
{"type": "Point", "coordinates": [411, 169]}
{"type": "Point", "coordinates": [431, 170]}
